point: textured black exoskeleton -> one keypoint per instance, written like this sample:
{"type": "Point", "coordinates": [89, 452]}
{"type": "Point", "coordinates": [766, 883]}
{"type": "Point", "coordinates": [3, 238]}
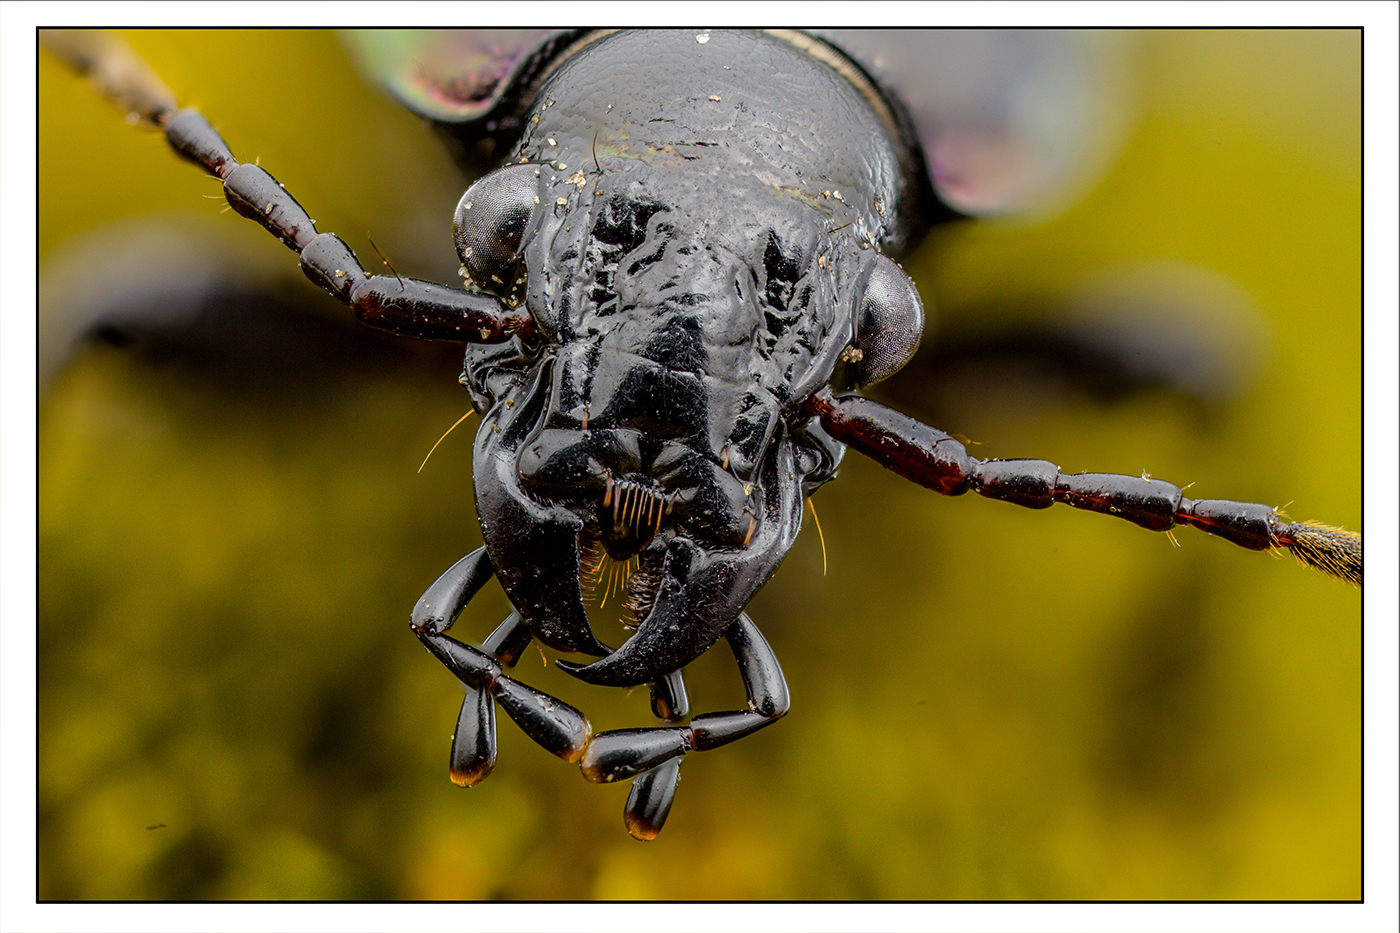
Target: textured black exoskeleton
{"type": "Point", "coordinates": [676, 278]}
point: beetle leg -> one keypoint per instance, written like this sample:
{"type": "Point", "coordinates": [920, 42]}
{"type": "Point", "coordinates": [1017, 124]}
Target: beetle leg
{"type": "Point", "coordinates": [937, 461]}
{"type": "Point", "coordinates": [555, 725]}
{"type": "Point", "coordinates": [668, 697]}
{"type": "Point", "coordinates": [474, 740]}
{"type": "Point", "coordinates": [439, 607]}
{"type": "Point", "coordinates": [654, 791]}
{"type": "Point", "coordinates": [649, 804]}
{"type": "Point", "coordinates": [473, 755]}
{"type": "Point", "coordinates": [624, 753]}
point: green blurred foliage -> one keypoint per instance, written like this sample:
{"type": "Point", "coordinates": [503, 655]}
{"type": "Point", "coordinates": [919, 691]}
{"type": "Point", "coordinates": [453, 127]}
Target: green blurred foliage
{"type": "Point", "coordinates": [988, 702]}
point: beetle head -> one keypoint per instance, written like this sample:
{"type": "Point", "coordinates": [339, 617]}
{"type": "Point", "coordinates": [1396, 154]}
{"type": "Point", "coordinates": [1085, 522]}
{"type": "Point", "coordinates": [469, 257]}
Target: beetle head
{"type": "Point", "coordinates": [686, 306]}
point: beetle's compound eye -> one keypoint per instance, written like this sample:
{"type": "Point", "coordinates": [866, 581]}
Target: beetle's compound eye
{"type": "Point", "coordinates": [889, 323]}
{"type": "Point", "coordinates": [490, 225]}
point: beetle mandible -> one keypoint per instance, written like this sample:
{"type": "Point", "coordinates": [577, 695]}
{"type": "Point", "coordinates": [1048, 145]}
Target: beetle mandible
{"type": "Point", "coordinates": [610, 431]}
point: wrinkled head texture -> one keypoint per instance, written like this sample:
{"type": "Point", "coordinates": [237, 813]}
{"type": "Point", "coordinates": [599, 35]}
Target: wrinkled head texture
{"type": "Point", "coordinates": [698, 242]}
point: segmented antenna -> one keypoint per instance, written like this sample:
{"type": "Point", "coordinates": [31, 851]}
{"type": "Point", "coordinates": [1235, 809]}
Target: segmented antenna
{"type": "Point", "coordinates": [1334, 551]}
{"type": "Point", "coordinates": [115, 71]}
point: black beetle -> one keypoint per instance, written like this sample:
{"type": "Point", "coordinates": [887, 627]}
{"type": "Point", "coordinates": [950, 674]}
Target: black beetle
{"type": "Point", "coordinates": [275, 167]}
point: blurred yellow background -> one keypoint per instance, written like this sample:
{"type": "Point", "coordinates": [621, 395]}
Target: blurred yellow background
{"type": "Point", "coordinates": [988, 702]}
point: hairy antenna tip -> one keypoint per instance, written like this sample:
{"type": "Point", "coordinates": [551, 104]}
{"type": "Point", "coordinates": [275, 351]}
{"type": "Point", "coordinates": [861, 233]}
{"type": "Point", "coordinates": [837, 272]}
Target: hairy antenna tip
{"type": "Point", "coordinates": [1334, 551]}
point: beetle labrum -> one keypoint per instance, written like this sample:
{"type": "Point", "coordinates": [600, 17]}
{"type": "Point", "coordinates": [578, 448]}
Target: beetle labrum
{"type": "Point", "coordinates": [665, 388]}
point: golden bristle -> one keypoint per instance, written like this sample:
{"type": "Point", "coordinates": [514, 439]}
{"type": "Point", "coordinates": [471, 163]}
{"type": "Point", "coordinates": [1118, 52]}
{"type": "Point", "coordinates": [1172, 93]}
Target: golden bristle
{"type": "Point", "coordinates": [1334, 551]}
